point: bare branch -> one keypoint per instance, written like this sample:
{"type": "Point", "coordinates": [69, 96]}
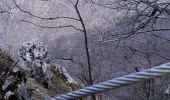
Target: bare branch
{"type": "Point", "coordinates": [51, 18]}
{"type": "Point", "coordinates": [52, 27]}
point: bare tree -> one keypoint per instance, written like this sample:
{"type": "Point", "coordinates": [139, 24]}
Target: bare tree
{"type": "Point", "coordinates": [79, 19]}
{"type": "Point", "coordinates": [137, 40]}
{"type": "Point", "coordinates": [141, 19]}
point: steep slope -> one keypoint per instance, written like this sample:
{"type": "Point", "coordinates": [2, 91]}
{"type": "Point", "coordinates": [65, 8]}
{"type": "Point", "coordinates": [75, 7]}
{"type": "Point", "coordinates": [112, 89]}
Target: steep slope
{"type": "Point", "coordinates": [17, 82]}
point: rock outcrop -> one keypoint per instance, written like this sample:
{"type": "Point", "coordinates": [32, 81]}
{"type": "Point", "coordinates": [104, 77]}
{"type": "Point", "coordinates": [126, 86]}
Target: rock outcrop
{"type": "Point", "coordinates": [12, 79]}
{"type": "Point", "coordinates": [32, 77]}
{"type": "Point", "coordinates": [35, 56]}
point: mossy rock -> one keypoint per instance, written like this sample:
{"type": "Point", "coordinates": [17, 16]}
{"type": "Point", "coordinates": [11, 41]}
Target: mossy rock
{"type": "Point", "coordinates": [75, 86]}
{"type": "Point", "coordinates": [6, 62]}
{"type": "Point", "coordinates": [60, 85]}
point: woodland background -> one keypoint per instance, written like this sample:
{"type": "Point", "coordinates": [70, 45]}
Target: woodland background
{"type": "Point", "coordinates": [95, 40]}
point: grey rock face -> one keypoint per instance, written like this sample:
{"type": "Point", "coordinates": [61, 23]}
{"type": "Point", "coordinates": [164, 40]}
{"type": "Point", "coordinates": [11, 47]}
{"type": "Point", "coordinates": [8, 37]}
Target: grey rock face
{"type": "Point", "coordinates": [22, 89]}
{"type": "Point", "coordinates": [15, 87]}
{"type": "Point", "coordinates": [9, 82]}
{"type": "Point", "coordinates": [63, 71]}
{"type": "Point", "coordinates": [8, 94]}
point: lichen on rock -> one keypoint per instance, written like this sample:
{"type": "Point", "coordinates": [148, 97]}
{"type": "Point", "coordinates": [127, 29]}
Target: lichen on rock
{"type": "Point", "coordinates": [35, 55]}
{"type": "Point", "coordinates": [32, 77]}
{"type": "Point", "coordinates": [54, 77]}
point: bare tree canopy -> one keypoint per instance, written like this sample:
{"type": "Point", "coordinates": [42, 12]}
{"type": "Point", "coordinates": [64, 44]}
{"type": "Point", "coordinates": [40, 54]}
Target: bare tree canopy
{"type": "Point", "coordinates": [95, 40]}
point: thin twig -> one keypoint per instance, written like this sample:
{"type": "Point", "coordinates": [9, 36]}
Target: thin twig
{"type": "Point", "coordinates": [52, 27]}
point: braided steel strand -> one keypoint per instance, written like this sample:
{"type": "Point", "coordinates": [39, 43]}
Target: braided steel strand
{"type": "Point", "coordinates": [144, 75]}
